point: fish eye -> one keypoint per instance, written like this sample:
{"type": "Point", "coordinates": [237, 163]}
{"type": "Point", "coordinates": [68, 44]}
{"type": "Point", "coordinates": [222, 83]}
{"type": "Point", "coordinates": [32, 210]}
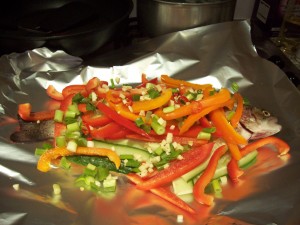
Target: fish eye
{"type": "Point", "coordinates": [266, 113]}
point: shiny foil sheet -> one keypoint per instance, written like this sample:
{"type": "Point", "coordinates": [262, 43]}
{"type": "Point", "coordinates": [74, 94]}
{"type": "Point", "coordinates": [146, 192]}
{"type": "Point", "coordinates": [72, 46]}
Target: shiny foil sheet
{"type": "Point", "coordinates": [269, 191]}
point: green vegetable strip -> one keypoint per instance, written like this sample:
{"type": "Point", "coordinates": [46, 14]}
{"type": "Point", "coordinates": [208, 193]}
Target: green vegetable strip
{"type": "Point", "coordinates": [158, 128]}
{"type": "Point", "coordinates": [58, 116]}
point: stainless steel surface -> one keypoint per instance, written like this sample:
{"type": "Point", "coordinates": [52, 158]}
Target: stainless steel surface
{"type": "Point", "coordinates": [157, 17]}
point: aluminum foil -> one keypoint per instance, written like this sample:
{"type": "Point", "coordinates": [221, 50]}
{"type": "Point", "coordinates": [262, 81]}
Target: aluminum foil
{"type": "Point", "coordinates": [219, 54]}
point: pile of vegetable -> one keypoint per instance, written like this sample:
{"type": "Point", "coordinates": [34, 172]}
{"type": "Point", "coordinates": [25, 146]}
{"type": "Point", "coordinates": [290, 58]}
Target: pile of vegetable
{"type": "Point", "coordinates": [168, 136]}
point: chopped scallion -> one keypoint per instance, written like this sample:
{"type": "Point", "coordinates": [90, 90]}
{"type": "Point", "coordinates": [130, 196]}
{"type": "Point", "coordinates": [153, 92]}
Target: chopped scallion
{"type": "Point", "coordinates": [209, 129]}
{"type": "Point", "coordinates": [153, 93]}
{"type": "Point", "coordinates": [169, 109]}
{"type": "Point", "coordinates": [136, 97]}
{"type": "Point", "coordinates": [157, 127]}
{"type": "Point", "coordinates": [70, 114]}
{"type": "Point", "coordinates": [204, 135]}
{"type": "Point", "coordinates": [56, 189]}
{"type": "Point", "coordinates": [73, 127]}
{"type": "Point", "coordinates": [72, 146]}
{"type": "Point", "coordinates": [112, 83]}
{"type": "Point", "coordinates": [235, 87]}
{"type": "Point", "coordinates": [60, 141]}
{"type": "Point", "coordinates": [126, 156]}
{"type": "Point", "coordinates": [139, 121]}
{"type": "Point", "coordinates": [39, 151]}
{"type": "Point", "coordinates": [216, 186]}
{"type": "Point", "coordinates": [64, 163]}
{"type": "Point", "coordinates": [58, 116]}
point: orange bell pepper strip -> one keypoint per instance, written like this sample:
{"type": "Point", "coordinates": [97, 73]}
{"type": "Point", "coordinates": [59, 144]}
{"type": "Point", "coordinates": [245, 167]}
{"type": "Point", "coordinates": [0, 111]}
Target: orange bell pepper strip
{"type": "Point", "coordinates": [177, 83]}
{"type": "Point", "coordinates": [54, 153]}
{"type": "Point", "coordinates": [184, 110]}
{"type": "Point", "coordinates": [193, 118]}
{"type": "Point", "coordinates": [24, 111]}
{"type": "Point", "coordinates": [234, 151]}
{"type": "Point", "coordinates": [282, 147]}
{"type": "Point", "coordinates": [229, 134]}
{"type": "Point", "coordinates": [153, 103]}
{"type": "Point", "coordinates": [164, 194]}
{"type": "Point", "coordinates": [235, 172]}
{"type": "Point", "coordinates": [221, 97]}
{"type": "Point", "coordinates": [207, 176]}
{"type": "Point", "coordinates": [125, 112]}
{"type": "Point", "coordinates": [53, 93]}
{"type": "Point", "coordinates": [239, 110]}
{"type": "Point", "coordinates": [177, 168]}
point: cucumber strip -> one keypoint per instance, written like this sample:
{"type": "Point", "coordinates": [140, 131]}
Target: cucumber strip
{"type": "Point", "coordinates": [128, 142]}
{"type": "Point", "coordinates": [141, 154]}
{"type": "Point", "coordinates": [182, 187]}
{"type": "Point", "coordinates": [221, 168]}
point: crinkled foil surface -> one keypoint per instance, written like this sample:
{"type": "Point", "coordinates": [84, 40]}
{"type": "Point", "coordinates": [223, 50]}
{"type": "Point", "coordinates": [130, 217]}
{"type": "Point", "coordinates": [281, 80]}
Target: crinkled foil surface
{"type": "Point", "coordinates": [269, 192]}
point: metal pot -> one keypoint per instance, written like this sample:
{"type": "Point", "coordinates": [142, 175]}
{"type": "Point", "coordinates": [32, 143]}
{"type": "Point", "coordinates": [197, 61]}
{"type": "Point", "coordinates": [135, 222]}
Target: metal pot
{"type": "Point", "coordinates": [157, 17]}
{"type": "Point", "coordinates": [79, 27]}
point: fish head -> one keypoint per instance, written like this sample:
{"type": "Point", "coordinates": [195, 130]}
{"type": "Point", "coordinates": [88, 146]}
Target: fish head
{"type": "Point", "coordinates": [259, 122]}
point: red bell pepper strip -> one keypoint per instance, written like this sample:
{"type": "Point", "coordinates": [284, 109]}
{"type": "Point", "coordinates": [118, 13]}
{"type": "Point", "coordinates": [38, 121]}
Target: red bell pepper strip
{"type": "Point", "coordinates": [120, 120]}
{"type": "Point", "coordinates": [66, 102]}
{"type": "Point", "coordinates": [92, 84]}
{"type": "Point", "coordinates": [93, 119]}
{"type": "Point", "coordinates": [164, 194]}
{"type": "Point", "coordinates": [234, 171]}
{"type": "Point", "coordinates": [82, 107]}
{"type": "Point", "coordinates": [282, 147]}
{"type": "Point", "coordinates": [74, 89]}
{"type": "Point", "coordinates": [59, 129]}
{"type": "Point", "coordinates": [24, 111]}
{"type": "Point", "coordinates": [105, 131]}
{"type": "Point", "coordinates": [53, 93]}
{"type": "Point", "coordinates": [145, 81]}
{"type": "Point", "coordinates": [206, 177]}
{"type": "Point", "coordinates": [119, 134]}
{"type": "Point", "coordinates": [191, 159]}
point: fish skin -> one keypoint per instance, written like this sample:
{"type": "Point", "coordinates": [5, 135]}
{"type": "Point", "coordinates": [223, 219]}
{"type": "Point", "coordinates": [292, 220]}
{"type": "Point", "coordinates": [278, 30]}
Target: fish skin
{"type": "Point", "coordinates": [33, 131]}
{"type": "Point", "coordinates": [259, 123]}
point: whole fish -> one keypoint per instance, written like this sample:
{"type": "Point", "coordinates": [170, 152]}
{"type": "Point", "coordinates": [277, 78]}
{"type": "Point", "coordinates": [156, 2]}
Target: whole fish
{"type": "Point", "coordinates": [255, 123]}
